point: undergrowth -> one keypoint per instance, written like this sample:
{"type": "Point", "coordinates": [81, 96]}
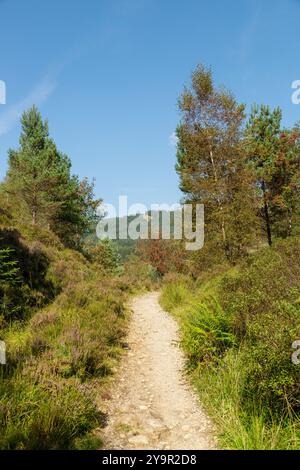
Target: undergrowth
{"type": "Point", "coordinates": [237, 331]}
{"type": "Point", "coordinates": [60, 356]}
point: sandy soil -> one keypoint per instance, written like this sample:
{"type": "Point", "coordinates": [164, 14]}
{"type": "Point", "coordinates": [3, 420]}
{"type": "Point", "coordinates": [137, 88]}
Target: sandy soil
{"type": "Point", "coordinates": [151, 404]}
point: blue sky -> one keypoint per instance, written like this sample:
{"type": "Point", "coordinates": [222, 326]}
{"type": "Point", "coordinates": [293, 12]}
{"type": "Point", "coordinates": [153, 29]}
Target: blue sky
{"type": "Point", "coordinates": [107, 75]}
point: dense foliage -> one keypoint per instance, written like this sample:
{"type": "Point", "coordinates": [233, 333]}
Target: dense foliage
{"type": "Point", "coordinates": [237, 300]}
{"type": "Point", "coordinates": [237, 330]}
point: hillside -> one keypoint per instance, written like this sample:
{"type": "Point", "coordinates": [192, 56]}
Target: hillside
{"type": "Point", "coordinates": [126, 246]}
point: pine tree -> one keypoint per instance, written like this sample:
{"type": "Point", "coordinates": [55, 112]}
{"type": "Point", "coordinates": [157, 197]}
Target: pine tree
{"type": "Point", "coordinates": [274, 156]}
{"type": "Point", "coordinates": [77, 215]}
{"type": "Point", "coordinates": [9, 284]}
{"type": "Point", "coordinates": [37, 171]}
{"type": "Point", "coordinates": [285, 184]}
{"type": "Point", "coordinates": [41, 187]}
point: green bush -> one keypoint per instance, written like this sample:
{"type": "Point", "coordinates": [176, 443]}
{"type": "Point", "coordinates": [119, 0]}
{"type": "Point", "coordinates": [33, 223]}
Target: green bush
{"type": "Point", "coordinates": [206, 332]}
{"type": "Point", "coordinates": [262, 302]}
{"type": "Point", "coordinates": [239, 345]}
{"type": "Point", "coordinates": [58, 360]}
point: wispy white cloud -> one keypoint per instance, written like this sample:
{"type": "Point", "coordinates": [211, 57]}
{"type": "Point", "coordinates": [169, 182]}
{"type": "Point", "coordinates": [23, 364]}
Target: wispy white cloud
{"type": "Point", "coordinates": [11, 114]}
{"type": "Point", "coordinates": [41, 92]}
{"type": "Point", "coordinates": [248, 34]}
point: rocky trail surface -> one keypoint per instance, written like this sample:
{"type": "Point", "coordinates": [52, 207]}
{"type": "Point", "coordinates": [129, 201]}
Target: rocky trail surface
{"type": "Point", "coordinates": [151, 405]}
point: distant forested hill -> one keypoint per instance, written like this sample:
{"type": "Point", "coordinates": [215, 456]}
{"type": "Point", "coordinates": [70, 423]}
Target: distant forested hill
{"type": "Point", "coordinates": [127, 247]}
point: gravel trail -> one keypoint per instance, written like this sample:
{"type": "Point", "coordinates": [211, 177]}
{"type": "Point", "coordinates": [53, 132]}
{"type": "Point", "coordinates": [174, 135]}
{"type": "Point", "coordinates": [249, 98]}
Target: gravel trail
{"type": "Point", "coordinates": [151, 405]}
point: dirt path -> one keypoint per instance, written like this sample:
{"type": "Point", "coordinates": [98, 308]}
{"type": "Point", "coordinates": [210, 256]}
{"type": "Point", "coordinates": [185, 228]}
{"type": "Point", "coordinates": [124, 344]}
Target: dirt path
{"type": "Point", "coordinates": [151, 404]}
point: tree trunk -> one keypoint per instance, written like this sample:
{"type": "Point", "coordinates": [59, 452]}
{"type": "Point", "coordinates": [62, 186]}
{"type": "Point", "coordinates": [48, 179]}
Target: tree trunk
{"type": "Point", "coordinates": [290, 224]}
{"type": "Point", "coordinates": [34, 207]}
{"type": "Point", "coordinates": [224, 236]}
{"type": "Point", "coordinates": [266, 214]}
